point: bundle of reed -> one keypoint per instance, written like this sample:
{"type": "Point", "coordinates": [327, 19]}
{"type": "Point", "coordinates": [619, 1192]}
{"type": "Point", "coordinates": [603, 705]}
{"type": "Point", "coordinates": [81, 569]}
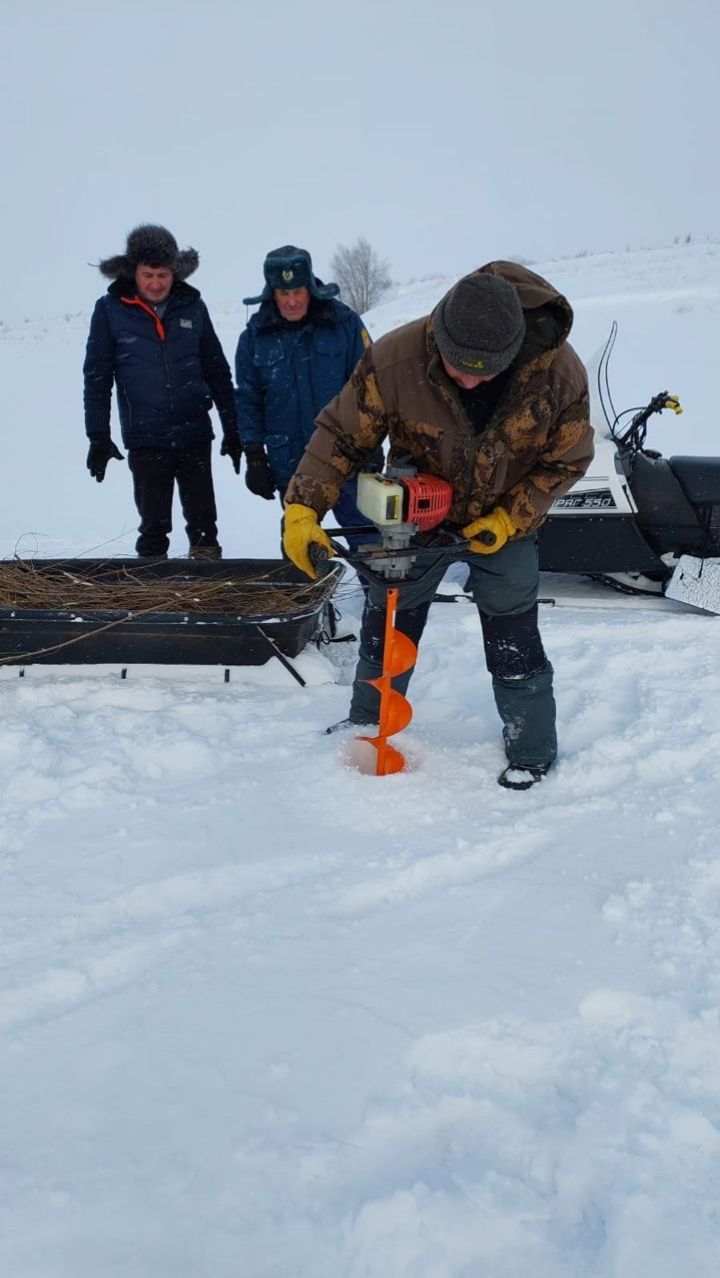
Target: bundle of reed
{"type": "Point", "coordinates": [116, 588]}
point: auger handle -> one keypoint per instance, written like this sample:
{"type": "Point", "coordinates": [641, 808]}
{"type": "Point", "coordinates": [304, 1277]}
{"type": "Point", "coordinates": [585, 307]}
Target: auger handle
{"type": "Point", "coordinates": [320, 556]}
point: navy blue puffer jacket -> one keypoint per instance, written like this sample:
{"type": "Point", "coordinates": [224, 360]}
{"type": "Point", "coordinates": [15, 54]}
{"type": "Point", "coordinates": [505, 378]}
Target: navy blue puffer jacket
{"type": "Point", "coordinates": [287, 371]}
{"type": "Point", "coordinates": [168, 372]}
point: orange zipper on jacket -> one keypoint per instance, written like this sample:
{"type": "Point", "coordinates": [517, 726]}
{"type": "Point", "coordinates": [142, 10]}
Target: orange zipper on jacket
{"type": "Point", "coordinates": [137, 301]}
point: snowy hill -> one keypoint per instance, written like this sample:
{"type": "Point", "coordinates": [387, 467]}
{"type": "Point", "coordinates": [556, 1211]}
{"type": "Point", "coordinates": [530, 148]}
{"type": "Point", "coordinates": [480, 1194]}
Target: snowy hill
{"type": "Point", "coordinates": [262, 1015]}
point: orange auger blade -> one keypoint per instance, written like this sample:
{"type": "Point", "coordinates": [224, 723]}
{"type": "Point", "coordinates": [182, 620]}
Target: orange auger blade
{"type": "Point", "coordinates": [399, 655]}
{"type": "Point", "coordinates": [392, 760]}
{"type": "Point", "coordinates": [402, 655]}
{"type": "Point", "coordinates": [395, 709]}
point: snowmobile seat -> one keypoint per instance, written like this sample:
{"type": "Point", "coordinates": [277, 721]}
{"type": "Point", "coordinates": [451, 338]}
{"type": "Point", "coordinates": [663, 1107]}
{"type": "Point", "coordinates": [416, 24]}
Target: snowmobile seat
{"type": "Point", "coordinates": [700, 478]}
{"type": "Point", "coordinates": [660, 496]}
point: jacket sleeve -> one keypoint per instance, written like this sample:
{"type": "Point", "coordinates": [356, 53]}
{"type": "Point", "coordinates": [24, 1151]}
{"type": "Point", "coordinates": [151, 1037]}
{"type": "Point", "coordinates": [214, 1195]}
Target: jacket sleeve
{"type": "Point", "coordinates": [249, 393]}
{"type": "Point", "coordinates": [564, 460]}
{"type": "Point", "coordinates": [216, 372]}
{"type": "Point", "coordinates": [358, 343]}
{"type": "Point", "coordinates": [98, 372]}
{"type": "Point", "coordinates": [347, 433]}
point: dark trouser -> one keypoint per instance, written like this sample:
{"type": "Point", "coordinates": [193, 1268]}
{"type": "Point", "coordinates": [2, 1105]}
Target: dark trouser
{"type": "Point", "coordinates": [155, 472]}
{"type": "Point", "coordinates": [504, 588]}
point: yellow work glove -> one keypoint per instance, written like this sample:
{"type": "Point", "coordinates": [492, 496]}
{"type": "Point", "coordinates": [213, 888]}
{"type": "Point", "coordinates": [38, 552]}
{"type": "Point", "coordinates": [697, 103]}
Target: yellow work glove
{"type": "Point", "coordinates": [493, 531]}
{"type": "Point", "coordinates": [302, 531]}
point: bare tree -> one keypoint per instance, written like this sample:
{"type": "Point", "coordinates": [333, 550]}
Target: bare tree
{"type": "Point", "coordinates": [364, 278]}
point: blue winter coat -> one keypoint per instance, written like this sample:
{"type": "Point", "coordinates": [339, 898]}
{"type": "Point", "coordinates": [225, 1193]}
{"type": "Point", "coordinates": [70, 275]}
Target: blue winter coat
{"type": "Point", "coordinates": [287, 371]}
{"type": "Point", "coordinates": [167, 371]}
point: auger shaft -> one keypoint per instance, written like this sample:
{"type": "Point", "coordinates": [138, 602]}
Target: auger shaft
{"type": "Point", "coordinates": [399, 656]}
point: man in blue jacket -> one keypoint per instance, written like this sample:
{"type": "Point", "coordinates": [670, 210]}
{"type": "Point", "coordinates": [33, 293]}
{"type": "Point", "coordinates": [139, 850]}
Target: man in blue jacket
{"type": "Point", "coordinates": [295, 355]}
{"type": "Point", "coordinates": [152, 336]}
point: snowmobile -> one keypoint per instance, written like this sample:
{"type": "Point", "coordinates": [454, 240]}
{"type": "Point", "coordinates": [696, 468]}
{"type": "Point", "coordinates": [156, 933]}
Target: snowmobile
{"type": "Point", "coordinates": [637, 521]}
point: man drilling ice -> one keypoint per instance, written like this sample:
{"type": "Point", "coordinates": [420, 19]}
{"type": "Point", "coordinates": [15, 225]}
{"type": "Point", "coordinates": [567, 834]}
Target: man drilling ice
{"type": "Point", "coordinates": [487, 394]}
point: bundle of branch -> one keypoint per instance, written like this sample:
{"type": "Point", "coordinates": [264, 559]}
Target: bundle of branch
{"type": "Point", "coordinates": [108, 588]}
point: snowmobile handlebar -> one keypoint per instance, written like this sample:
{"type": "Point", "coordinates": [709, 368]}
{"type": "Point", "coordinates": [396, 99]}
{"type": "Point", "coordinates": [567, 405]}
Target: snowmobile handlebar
{"type": "Point", "coordinates": [634, 436]}
{"type": "Point", "coordinates": [656, 405]}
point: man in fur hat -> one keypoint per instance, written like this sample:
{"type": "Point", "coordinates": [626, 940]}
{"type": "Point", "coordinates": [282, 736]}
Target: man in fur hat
{"type": "Point", "coordinates": [296, 353]}
{"type": "Point", "coordinates": [152, 336]}
{"type": "Point", "coordinates": [487, 393]}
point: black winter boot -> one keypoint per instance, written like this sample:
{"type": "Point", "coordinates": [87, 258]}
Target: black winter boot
{"type": "Point", "coordinates": [520, 776]}
{"type": "Point", "coordinates": [205, 552]}
{"type": "Point", "coordinates": [345, 724]}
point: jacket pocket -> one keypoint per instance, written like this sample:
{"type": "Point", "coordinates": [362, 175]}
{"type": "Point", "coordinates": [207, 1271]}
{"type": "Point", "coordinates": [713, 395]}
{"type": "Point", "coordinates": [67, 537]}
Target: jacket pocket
{"type": "Point", "coordinates": [269, 355]}
{"type": "Point", "coordinates": [330, 368]}
{"type": "Point", "coordinates": [284, 453]}
{"type": "Point", "coordinates": [278, 449]}
{"type": "Point", "coordinates": [276, 378]}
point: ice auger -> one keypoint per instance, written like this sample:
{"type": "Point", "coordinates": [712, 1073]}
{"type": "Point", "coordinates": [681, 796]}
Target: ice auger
{"type": "Point", "coordinates": [399, 505]}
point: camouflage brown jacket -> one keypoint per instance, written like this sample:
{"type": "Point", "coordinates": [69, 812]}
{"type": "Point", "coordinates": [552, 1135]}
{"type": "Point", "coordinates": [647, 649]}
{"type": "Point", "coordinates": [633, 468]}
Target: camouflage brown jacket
{"type": "Point", "coordinates": [537, 443]}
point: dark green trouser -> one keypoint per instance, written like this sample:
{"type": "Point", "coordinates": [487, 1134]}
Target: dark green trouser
{"type": "Point", "coordinates": [504, 588]}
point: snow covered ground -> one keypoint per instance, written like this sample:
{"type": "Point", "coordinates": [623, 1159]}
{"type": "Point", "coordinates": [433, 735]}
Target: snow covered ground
{"type": "Point", "coordinates": [262, 1015]}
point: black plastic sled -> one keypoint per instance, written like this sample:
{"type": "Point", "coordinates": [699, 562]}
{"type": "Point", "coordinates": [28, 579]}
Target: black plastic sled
{"type": "Point", "coordinates": [79, 636]}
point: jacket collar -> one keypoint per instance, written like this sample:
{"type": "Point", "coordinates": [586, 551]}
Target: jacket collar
{"type": "Point", "coordinates": [321, 314]}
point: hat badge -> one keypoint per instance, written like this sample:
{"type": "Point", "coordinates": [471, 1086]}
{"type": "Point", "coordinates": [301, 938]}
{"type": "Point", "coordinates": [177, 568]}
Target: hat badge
{"type": "Point", "coordinates": [287, 276]}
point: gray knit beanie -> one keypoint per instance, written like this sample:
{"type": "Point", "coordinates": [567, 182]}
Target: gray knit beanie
{"type": "Point", "coordinates": [479, 325]}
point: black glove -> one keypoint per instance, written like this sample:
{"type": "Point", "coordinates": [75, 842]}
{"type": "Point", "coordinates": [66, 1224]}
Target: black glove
{"type": "Point", "coordinates": [100, 451]}
{"type": "Point", "coordinates": [258, 475]}
{"type": "Point", "coordinates": [231, 447]}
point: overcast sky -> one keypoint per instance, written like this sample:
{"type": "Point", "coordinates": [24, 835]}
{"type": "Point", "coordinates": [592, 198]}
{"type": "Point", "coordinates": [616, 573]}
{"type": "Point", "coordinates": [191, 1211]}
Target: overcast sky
{"type": "Point", "coordinates": [448, 132]}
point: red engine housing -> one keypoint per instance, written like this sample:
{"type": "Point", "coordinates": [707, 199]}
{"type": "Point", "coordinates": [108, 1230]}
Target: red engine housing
{"type": "Point", "coordinates": [428, 500]}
